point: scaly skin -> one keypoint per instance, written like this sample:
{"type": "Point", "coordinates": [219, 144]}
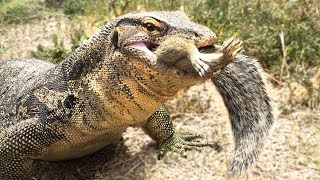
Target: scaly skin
{"type": "Point", "coordinates": [113, 81]}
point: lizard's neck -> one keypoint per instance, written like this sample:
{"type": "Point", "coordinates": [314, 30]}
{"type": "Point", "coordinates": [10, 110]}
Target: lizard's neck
{"type": "Point", "coordinates": [113, 86]}
{"type": "Point", "coordinates": [87, 57]}
{"type": "Point", "coordinates": [109, 85]}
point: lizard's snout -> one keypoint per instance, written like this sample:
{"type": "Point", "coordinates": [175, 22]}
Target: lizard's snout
{"type": "Point", "coordinates": [204, 37]}
{"type": "Point", "coordinates": [205, 41]}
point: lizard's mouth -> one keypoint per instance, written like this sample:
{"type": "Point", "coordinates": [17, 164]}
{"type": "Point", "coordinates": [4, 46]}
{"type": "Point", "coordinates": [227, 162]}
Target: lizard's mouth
{"type": "Point", "coordinates": [145, 46]}
{"type": "Point", "coordinates": [147, 52]}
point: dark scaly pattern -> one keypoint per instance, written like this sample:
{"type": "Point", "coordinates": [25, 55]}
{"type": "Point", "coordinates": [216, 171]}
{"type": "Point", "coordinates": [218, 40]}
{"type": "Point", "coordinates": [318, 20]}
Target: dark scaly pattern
{"type": "Point", "coordinates": [56, 112]}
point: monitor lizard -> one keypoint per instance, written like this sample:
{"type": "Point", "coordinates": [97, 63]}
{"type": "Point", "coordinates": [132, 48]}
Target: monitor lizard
{"type": "Point", "coordinates": [119, 78]}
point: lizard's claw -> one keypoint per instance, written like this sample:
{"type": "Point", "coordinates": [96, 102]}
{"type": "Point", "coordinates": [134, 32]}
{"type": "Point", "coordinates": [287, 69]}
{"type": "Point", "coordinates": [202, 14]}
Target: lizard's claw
{"type": "Point", "coordinates": [181, 143]}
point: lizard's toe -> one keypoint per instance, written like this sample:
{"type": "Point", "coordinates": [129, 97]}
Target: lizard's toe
{"type": "Point", "coordinates": [181, 143]}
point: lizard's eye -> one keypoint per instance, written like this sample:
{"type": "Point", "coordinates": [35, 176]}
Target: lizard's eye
{"type": "Point", "coordinates": [151, 26]}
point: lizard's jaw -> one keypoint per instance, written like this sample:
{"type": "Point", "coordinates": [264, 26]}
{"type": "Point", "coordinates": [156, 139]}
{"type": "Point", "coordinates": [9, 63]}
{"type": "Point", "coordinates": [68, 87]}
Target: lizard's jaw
{"type": "Point", "coordinates": [146, 51]}
{"type": "Point", "coordinates": [148, 48]}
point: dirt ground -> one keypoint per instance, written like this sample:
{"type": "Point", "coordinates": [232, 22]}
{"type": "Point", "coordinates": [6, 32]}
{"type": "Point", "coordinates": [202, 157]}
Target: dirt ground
{"type": "Point", "coordinates": [292, 150]}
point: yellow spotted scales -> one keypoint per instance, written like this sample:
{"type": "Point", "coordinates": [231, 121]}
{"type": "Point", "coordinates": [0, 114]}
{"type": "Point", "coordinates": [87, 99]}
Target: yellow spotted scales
{"type": "Point", "coordinates": [119, 78]}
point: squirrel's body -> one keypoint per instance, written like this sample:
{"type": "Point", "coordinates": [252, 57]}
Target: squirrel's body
{"type": "Point", "coordinates": [117, 80]}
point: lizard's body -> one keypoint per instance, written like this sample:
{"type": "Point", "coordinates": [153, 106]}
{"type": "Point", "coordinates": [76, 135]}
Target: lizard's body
{"type": "Point", "coordinates": [65, 111]}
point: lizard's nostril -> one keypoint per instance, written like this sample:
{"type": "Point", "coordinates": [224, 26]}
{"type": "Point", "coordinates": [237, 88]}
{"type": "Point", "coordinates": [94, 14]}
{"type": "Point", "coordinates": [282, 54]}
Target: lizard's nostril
{"type": "Point", "coordinates": [196, 35]}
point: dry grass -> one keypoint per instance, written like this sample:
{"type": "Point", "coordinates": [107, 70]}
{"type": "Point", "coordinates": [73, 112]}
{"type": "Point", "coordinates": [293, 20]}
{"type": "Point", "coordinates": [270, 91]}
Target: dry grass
{"type": "Point", "coordinates": [291, 152]}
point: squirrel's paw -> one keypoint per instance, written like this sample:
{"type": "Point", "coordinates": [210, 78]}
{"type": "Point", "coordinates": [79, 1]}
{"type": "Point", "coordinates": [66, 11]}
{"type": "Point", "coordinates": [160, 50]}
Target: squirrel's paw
{"type": "Point", "coordinates": [231, 47]}
{"type": "Point", "coordinates": [181, 143]}
{"type": "Point", "coordinates": [212, 63]}
{"type": "Point", "coordinates": [201, 66]}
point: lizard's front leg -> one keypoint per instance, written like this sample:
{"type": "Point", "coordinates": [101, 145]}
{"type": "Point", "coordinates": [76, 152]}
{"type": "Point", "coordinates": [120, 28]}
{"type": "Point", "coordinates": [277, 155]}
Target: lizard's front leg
{"type": "Point", "coordinates": [14, 166]}
{"type": "Point", "coordinates": [160, 128]}
{"type": "Point", "coordinates": [22, 143]}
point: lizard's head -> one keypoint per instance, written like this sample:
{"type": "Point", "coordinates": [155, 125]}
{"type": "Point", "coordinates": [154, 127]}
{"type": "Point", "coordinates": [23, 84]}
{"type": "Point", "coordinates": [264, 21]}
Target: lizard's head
{"type": "Point", "coordinates": [139, 36]}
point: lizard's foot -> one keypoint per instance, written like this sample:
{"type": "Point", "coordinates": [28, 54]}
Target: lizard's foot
{"type": "Point", "coordinates": [181, 143]}
{"type": "Point", "coordinates": [205, 63]}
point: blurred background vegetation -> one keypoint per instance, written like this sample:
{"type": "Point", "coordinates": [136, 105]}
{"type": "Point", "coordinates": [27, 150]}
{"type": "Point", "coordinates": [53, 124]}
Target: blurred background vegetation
{"type": "Point", "coordinates": [283, 34]}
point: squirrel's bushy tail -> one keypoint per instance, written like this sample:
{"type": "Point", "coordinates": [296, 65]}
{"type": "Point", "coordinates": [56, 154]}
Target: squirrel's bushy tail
{"type": "Point", "coordinates": [243, 90]}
